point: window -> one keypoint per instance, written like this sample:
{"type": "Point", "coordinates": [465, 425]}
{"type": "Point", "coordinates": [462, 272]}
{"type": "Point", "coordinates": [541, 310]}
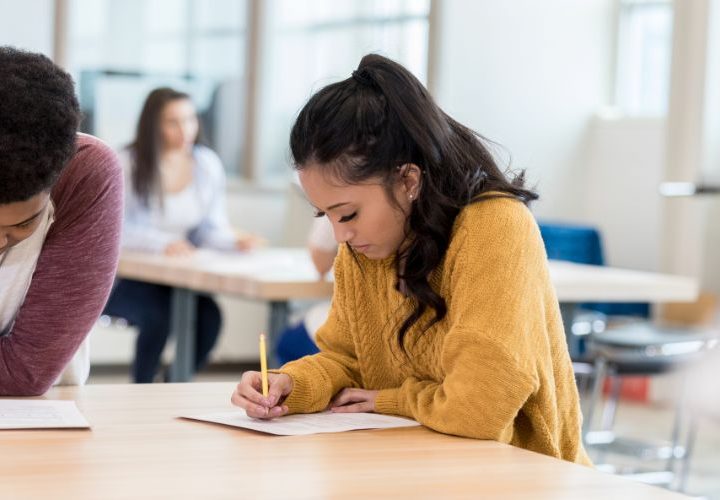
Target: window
{"type": "Point", "coordinates": [316, 42]}
{"type": "Point", "coordinates": [119, 50]}
{"type": "Point", "coordinates": [644, 54]}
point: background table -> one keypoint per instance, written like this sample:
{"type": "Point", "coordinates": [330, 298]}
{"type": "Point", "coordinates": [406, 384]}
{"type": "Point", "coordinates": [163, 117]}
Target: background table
{"type": "Point", "coordinates": [582, 283]}
{"type": "Point", "coordinates": [578, 283]}
{"type": "Point", "coordinates": [278, 275]}
{"type": "Point", "coordinates": [275, 275]}
{"type": "Point", "coordinates": [138, 449]}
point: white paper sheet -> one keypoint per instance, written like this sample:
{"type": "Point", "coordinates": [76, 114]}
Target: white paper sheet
{"type": "Point", "coordinates": [40, 414]}
{"type": "Point", "coordinates": [300, 425]}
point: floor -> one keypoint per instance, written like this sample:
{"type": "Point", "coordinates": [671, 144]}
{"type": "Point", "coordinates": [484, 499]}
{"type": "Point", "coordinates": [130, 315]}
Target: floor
{"type": "Point", "coordinates": [650, 422]}
{"type": "Point", "coordinates": [633, 420]}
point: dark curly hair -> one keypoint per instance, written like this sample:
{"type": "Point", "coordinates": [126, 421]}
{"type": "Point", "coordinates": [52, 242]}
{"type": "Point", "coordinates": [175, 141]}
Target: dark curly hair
{"type": "Point", "coordinates": [39, 116]}
{"type": "Point", "coordinates": [380, 118]}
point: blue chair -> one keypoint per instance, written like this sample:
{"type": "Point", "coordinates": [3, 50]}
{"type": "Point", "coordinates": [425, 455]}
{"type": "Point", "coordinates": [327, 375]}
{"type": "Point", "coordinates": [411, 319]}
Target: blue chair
{"type": "Point", "coordinates": [293, 343]}
{"type": "Point", "coordinates": [583, 245]}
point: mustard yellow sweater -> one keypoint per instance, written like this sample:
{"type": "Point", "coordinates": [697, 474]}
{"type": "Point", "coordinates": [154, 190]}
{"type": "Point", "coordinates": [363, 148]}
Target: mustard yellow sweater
{"type": "Point", "coordinates": [496, 367]}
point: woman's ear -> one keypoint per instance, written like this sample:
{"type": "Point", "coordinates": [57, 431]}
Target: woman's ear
{"type": "Point", "coordinates": [411, 180]}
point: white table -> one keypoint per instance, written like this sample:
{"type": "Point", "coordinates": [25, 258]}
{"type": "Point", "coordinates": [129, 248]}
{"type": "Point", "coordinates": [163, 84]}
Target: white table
{"type": "Point", "coordinates": [275, 275]}
{"type": "Point", "coordinates": [577, 283]}
{"type": "Point", "coordinates": [582, 283]}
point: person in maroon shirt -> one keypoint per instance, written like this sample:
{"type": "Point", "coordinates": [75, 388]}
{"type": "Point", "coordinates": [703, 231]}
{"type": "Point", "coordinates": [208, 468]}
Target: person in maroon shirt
{"type": "Point", "coordinates": [60, 220]}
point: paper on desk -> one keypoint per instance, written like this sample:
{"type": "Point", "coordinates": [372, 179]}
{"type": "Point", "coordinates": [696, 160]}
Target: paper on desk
{"type": "Point", "coordinates": [40, 414]}
{"type": "Point", "coordinates": [301, 425]}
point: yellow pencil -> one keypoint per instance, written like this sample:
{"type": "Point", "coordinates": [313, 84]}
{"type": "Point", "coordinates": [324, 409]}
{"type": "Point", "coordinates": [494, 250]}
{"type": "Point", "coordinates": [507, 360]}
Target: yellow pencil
{"type": "Point", "coordinates": [263, 365]}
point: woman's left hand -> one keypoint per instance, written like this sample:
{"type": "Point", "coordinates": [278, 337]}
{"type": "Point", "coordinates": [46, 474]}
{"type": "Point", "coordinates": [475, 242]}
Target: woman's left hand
{"type": "Point", "coordinates": [351, 400]}
{"type": "Point", "coordinates": [245, 241]}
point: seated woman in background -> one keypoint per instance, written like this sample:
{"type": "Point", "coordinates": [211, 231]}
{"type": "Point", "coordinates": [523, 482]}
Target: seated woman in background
{"type": "Point", "coordinates": [174, 203]}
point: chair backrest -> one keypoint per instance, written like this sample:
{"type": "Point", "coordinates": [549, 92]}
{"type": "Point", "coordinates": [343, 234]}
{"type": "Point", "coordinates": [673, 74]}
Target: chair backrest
{"type": "Point", "coordinates": [583, 245]}
{"type": "Point", "coordinates": [580, 244]}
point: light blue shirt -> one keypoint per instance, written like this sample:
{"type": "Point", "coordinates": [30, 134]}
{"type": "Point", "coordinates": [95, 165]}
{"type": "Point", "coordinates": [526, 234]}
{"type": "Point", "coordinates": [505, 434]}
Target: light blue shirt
{"type": "Point", "coordinates": [203, 220]}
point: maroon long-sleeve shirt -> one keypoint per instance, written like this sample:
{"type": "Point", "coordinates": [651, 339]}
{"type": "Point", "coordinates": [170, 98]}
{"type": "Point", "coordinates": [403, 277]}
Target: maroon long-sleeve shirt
{"type": "Point", "coordinates": [74, 273]}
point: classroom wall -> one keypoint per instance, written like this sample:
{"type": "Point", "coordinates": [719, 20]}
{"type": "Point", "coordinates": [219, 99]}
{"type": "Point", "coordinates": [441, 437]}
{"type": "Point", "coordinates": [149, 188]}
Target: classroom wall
{"type": "Point", "coordinates": [540, 83]}
{"type": "Point", "coordinates": [624, 161]}
{"type": "Point", "coordinates": [692, 233]}
{"type": "Point", "coordinates": [27, 24]}
{"type": "Point", "coordinates": [530, 75]}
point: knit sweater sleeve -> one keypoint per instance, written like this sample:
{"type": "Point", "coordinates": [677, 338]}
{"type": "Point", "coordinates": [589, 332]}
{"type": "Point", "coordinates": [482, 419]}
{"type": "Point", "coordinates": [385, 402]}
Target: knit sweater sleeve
{"type": "Point", "coordinates": [495, 310]}
{"type": "Point", "coordinates": [74, 272]}
{"type": "Point", "coordinates": [317, 378]}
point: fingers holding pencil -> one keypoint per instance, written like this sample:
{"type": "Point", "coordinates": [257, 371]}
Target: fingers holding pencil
{"type": "Point", "coordinates": [248, 395]}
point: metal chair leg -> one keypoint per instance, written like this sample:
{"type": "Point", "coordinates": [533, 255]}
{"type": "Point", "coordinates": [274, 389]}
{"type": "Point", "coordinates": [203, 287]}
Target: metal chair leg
{"type": "Point", "coordinates": [583, 376]}
{"type": "Point", "coordinates": [595, 394]}
{"type": "Point", "coordinates": [607, 421]}
{"type": "Point", "coordinates": [684, 468]}
{"type": "Point", "coordinates": [676, 451]}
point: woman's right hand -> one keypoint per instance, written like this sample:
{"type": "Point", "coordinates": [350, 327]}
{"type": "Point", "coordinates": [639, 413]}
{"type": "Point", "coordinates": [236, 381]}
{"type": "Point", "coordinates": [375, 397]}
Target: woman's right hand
{"type": "Point", "coordinates": [248, 395]}
{"type": "Point", "coordinates": [180, 248]}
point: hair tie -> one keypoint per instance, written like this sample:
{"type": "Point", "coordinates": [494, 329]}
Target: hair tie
{"type": "Point", "coordinates": [363, 78]}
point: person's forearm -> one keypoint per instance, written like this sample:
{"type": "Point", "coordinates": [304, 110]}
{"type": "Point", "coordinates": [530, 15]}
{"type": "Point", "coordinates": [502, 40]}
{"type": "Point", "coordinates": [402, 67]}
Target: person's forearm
{"type": "Point", "coordinates": [322, 259]}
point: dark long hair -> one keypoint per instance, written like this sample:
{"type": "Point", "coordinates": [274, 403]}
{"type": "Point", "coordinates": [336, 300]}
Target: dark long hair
{"type": "Point", "coordinates": [147, 145]}
{"type": "Point", "coordinates": [366, 126]}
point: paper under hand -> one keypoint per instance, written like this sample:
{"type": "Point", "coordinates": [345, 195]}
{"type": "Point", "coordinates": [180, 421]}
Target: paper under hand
{"type": "Point", "coordinates": [312, 423]}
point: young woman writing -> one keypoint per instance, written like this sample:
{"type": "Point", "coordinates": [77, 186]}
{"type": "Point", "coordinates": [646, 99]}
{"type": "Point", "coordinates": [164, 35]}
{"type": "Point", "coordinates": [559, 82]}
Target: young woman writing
{"type": "Point", "coordinates": [443, 309]}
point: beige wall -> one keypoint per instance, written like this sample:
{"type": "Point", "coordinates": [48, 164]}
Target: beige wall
{"type": "Point", "coordinates": [530, 75]}
{"type": "Point", "coordinates": [27, 25]}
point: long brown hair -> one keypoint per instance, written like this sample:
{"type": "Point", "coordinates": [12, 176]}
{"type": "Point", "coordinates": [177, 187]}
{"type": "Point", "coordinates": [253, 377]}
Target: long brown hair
{"type": "Point", "coordinates": [147, 145]}
{"type": "Point", "coordinates": [382, 117]}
